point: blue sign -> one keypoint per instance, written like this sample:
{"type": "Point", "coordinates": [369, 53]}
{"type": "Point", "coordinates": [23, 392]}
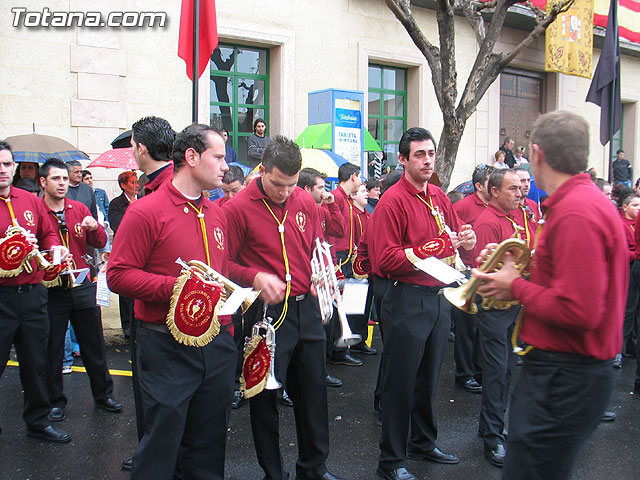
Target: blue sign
{"type": "Point", "coordinates": [348, 118]}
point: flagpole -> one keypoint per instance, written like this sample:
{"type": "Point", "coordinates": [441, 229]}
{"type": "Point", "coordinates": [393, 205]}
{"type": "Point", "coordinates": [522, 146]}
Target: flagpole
{"type": "Point", "coordinates": [612, 116]}
{"type": "Point", "coordinates": [196, 46]}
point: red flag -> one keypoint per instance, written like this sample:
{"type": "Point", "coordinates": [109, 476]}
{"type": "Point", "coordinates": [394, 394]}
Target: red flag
{"type": "Point", "coordinates": [208, 31]}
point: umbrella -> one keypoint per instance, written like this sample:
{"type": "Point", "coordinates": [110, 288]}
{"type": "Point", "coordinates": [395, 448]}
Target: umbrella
{"type": "Point", "coordinates": [465, 188]}
{"type": "Point", "coordinates": [325, 161]}
{"type": "Point", "coordinates": [123, 140]}
{"type": "Point", "coordinates": [37, 148]}
{"type": "Point", "coordinates": [116, 158]}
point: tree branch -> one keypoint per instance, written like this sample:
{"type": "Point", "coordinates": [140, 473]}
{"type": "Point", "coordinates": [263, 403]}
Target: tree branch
{"type": "Point", "coordinates": [543, 23]}
{"type": "Point", "coordinates": [471, 13]}
{"type": "Point", "coordinates": [446, 32]}
{"type": "Point", "coordinates": [402, 10]}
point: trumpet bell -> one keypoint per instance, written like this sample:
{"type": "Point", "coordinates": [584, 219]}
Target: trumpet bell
{"type": "Point", "coordinates": [462, 298]}
{"type": "Point", "coordinates": [348, 341]}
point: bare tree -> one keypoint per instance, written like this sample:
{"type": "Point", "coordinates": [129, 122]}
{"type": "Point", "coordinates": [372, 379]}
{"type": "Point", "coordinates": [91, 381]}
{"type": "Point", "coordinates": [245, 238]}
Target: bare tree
{"type": "Point", "coordinates": [487, 67]}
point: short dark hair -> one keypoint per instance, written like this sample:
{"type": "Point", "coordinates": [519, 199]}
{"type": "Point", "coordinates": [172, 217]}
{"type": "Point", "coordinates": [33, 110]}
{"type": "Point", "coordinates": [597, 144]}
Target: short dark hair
{"type": "Point", "coordinates": [496, 179]}
{"type": "Point", "coordinates": [156, 134]}
{"type": "Point", "coordinates": [256, 122]}
{"type": "Point", "coordinates": [601, 183]}
{"type": "Point", "coordinates": [480, 175]}
{"type": "Point", "coordinates": [71, 163]}
{"type": "Point", "coordinates": [506, 140]}
{"type": "Point", "coordinates": [455, 196]}
{"type": "Point", "coordinates": [373, 183]}
{"type": "Point", "coordinates": [29, 184]}
{"type": "Point", "coordinates": [234, 174]}
{"type": "Point", "coordinates": [564, 138]}
{"type": "Point", "coordinates": [85, 173]}
{"type": "Point", "coordinates": [193, 136]}
{"type": "Point", "coordinates": [283, 154]}
{"type": "Point", "coordinates": [124, 177]}
{"type": "Point", "coordinates": [308, 177]}
{"type": "Point", "coordinates": [619, 151]}
{"type": "Point", "coordinates": [346, 170]}
{"type": "Point", "coordinates": [53, 162]}
{"type": "Point", "coordinates": [414, 134]}
{"type": "Point", "coordinates": [5, 146]}
{"type": "Point", "coordinates": [626, 199]}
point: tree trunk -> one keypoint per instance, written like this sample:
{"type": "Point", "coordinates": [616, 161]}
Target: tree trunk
{"type": "Point", "coordinates": [448, 149]}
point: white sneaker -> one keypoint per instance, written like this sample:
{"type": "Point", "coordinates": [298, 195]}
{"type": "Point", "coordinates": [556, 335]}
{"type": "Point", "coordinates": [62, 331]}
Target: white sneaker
{"type": "Point", "coordinates": [66, 369]}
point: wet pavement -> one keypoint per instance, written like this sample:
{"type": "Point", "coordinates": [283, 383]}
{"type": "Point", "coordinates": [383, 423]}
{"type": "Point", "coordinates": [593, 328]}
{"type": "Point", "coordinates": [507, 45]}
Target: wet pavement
{"type": "Point", "coordinates": [102, 440]}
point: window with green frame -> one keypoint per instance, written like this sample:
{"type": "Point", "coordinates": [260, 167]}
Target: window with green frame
{"type": "Point", "coordinates": [387, 109]}
{"type": "Point", "coordinates": [239, 92]}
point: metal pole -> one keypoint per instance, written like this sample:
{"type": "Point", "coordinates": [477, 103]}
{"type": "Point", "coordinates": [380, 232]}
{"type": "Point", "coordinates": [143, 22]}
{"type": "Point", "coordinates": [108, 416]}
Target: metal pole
{"type": "Point", "coordinates": [196, 47]}
{"type": "Point", "coordinates": [614, 89]}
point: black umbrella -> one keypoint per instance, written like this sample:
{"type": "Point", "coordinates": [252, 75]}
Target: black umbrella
{"type": "Point", "coordinates": [123, 140]}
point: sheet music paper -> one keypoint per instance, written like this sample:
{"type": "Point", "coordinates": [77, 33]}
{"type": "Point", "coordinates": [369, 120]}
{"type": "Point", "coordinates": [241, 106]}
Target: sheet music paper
{"type": "Point", "coordinates": [439, 270]}
{"type": "Point", "coordinates": [234, 301]}
{"type": "Point", "coordinates": [103, 294]}
{"type": "Point", "coordinates": [354, 296]}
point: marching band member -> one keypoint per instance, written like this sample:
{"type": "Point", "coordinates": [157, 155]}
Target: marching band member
{"type": "Point", "coordinates": [23, 300]}
{"type": "Point", "coordinates": [573, 307]}
{"type": "Point", "coordinates": [411, 221]}
{"type": "Point", "coordinates": [495, 325]}
{"type": "Point", "coordinates": [186, 383]}
{"type": "Point", "coordinates": [76, 228]}
{"type": "Point", "coordinates": [331, 223]}
{"type": "Point", "coordinates": [273, 225]}
{"type": "Point", "coordinates": [464, 348]}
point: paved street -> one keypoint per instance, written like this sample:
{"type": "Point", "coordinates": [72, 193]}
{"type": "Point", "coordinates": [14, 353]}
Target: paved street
{"type": "Point", "coordinates": [102, 440]}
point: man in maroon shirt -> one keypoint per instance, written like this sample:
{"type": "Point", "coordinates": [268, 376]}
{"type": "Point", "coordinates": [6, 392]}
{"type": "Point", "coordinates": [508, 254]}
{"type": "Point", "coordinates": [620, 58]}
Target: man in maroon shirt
{"type": "Point", "coordinates": [413, 220]}
{"type": "Point", "coordinates": [573, 303]}
{"type": "Point", "coordinates": [186, 391]}
{"type": "Point", "coordinates": [76, 228]}
{"type": "Point", "coordinates": [495, 325]}
{"type": "Point", "coordinates": [331, 223]}
{"type": "Point", "coordinates": [465, 346]}
{"type": "Point", "coordinates": [23, 303]}
{"type": "Point", "coordinates": [273, 225]}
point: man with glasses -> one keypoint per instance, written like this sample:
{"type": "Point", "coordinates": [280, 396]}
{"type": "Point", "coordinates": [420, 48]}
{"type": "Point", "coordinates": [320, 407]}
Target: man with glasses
{"type": "Point", "coordinates": [76, 228]}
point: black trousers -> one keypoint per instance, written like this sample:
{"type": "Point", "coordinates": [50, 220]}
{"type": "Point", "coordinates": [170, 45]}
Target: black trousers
{"type": "Point", "coordinates": [415, 337]}
{"type": "Point", "coordinates": [77, 305]}
{"type": "Point", "coordinates": [379, 286]}
{"type": "Point", "coordinates": [300, 354]}
{"type": "Point", "coordinates": [497, 361]}
{"type": "Point", "coordinates": [24, 322]}
{"type": "Point", "coordinates": [126, 313]}
{"type": "Point", "coordinates": [555, 407]}
{"type": "Point", "coordinates": [186, 394]}
{"type": "Point", "coordinates": [465, 348]}
{"type": "Point", "coordinates": [238, 339]}
{"type": "Point", "coordinates": [137, 396]}
{"type": "Point", "coordinates": [630, 325]}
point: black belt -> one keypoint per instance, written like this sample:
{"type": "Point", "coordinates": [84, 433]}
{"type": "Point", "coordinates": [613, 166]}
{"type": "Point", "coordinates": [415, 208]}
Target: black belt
{"type": "Point", "coordinates": [422, 288]}
{"type": "Point", "coordinates": [24, 288]}
{"type": "Point", "coordinates": [561, 357]}
{"type": "Point", "coordinates": [297, 298]}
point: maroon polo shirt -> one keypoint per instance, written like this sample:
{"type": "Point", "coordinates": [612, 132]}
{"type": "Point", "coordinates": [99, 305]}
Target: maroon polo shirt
{"type": "Point", "coordinates": [156, 230]}
{"type": "Point", "coordinates": [254, 239]}
{"type": "Point", "coordinates": [493, 226]}
{"type": "Point", "coordinates": [533, 207]}
{"type": "Point", "coordinates": [32, 216]}
{"type": "Point", "coordinates": [526, 219]}
{"type": "Point", "coordinates": [470, 208]}
{"type": "Point", "coordinates": [344, 204]}
{"type": "Point", "coordinates": [331, 221]}
{"type": "Point", "coordinates": [575, 297]}
{"type": "Point", "coordinates": [76, 238]}
{"type": "Point", "coordinates": [400, 221]}
{"type": "Point", "coordinates": [361, 217]}
{"type": "Point", "coordinates": [637, 237]}
{"type": "Point", "coordinates": [630, 232]}
{"type": "Point", "coordinates": [362, 264]}
{"type": "Point", "coordinates": [165, 174]}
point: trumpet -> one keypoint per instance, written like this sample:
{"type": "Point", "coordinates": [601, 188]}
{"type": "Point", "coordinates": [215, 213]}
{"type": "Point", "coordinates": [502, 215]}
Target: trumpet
{"type": "Point", "coordinates": [255, 376]}
{"type": "Point", "coordinates": [209, 274]}
{"type": "Point", "coordinates": [324, 278]}
{"type": "Point", "coordinates": [463, 296]}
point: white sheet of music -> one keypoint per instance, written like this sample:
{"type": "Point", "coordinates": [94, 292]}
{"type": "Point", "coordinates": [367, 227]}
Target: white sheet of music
{"type": "Point", "coordinates": [354, 296]}
{"type": "Point", "coordinates": [103, 294]}
{"type": "Point", "coordinates": [234, 301]}
{"type": "Point", "coordinates": [439, 270]}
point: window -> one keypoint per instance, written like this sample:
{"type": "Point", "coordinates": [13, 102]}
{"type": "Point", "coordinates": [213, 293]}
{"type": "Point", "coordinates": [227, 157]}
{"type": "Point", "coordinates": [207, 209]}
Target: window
{"type": "Point", "coordinates": [239, 92]}
{"type": "Point", "coordinates": [387, 109]}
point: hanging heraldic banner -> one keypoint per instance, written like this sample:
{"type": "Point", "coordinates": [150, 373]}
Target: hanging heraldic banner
{"type": "Point", "coordinates": [569, 40]}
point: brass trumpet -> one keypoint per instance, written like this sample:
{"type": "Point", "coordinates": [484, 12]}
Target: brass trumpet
{"type": "Point", "coordinates": [209, 274]}
{"type": "Point", "coordinates": [324, 278]}
{"type": "Point", "coordinates": [463, 296]}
